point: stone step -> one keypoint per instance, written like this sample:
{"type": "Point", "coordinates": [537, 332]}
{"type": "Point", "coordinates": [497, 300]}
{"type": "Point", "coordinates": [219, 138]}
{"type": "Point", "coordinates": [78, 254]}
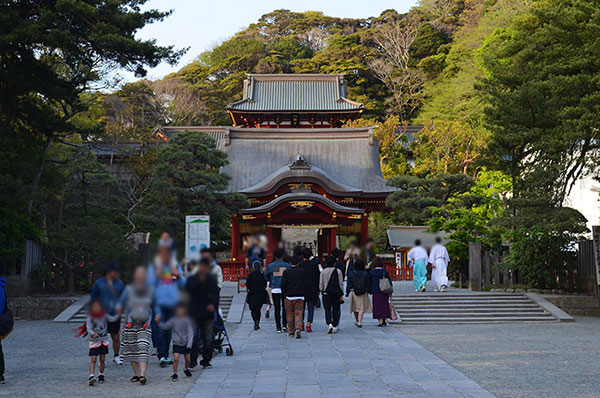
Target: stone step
{"type": "Point", "coordinates": [471, 295]}
{"type": "Point", "coordinates": [224, 303]}
{"type": "Point", "coordinates": [405, 316]}
{"type": "Point", "coordinates": [458, 303]}
{"type": "Point", "coordinates": [468, 310]}
{"type": "Point", "coordinates": [469, 320]}
{"type": "Point", "coordinates": [468, 306]}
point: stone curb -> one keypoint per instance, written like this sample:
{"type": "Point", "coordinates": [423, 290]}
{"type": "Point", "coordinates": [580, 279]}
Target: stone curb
{"type": "Point", "coordinates": [236, 311]}
{"type": "Point", "coordinates": [71, 310]}
{"type": "Point", "coordinates": [556, 312]}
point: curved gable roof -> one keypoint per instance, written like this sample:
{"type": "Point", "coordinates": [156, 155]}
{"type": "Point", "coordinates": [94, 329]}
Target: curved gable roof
{"type": "Point", "coordinates": [295, 92]}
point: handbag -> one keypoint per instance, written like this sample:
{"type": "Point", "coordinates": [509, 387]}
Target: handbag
{"type": "Point", "coordinates": [393, 313]}
{"type": "Point", "coordinates": [385, 286]}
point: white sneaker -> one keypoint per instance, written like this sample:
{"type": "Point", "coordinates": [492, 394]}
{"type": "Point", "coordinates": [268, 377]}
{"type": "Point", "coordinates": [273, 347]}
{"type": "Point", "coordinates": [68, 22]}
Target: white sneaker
{"type": "Point", "coordinates": [117, 360]}
{"type": "Point", "coordinates": [330, 329]}
{"type": "Point", "coordinates": [335, 330]}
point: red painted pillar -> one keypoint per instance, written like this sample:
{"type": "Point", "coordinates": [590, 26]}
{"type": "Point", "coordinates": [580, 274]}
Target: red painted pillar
{"type": "Point", "coordinates": [235, 237]}
{"type": "Point", "coordinates": [364, 229]}
{"type": "Point", "coordinates": [271, 244]}
{"type": "Point", "coordinates": [332, 239]}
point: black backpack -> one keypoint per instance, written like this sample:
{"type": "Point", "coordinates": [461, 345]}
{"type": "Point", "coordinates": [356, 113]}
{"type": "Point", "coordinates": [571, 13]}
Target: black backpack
{"type": "Point", "coordinates": [333, 286]}
{"type": "Point", "coordinates": [359, 283]}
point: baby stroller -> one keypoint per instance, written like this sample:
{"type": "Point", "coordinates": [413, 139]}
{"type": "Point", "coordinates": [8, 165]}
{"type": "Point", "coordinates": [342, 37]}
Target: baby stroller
{"type": "Point", "coordinates": [221, 338]}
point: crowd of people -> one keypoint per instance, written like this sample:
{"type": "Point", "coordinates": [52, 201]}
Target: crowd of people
{"type": "Point", "coordinates": [293, 285]}
{"type": "Point", "coordinates": [164, 305]}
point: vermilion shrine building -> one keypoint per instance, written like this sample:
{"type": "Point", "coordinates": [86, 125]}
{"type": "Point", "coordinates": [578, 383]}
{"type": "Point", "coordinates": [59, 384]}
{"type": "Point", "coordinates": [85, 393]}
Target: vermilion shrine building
{"type": "Point", "coordinates": [295, 164]}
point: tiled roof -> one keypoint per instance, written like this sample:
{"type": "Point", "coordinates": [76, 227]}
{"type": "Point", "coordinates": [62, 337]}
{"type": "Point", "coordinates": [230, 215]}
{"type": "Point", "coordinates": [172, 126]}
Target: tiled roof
{"type": "Point", "coordinates": [295, 92]}
{"type": "Point", "coordinates": [404, 236]}
{"type": "Point", "coordinates": [347, 156]}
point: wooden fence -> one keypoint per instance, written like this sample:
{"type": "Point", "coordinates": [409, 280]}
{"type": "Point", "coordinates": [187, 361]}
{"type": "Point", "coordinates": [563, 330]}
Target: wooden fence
{"type": "Point", "coordinates": [486, 270]}
{"type": "Point", "coordinates": [236, 270]}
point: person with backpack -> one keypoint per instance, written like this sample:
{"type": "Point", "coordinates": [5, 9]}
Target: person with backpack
{"type": "Point", "coordinates": [358, 286]}
{"type": "Point", "coordinates": [331, 283]}
{"type": "Point", "coordinates": [381, 289]}
{"type": "Point", "coordinates": [310, 265]}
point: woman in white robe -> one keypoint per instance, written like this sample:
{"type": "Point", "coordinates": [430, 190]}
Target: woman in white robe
{"type": "Point", "coordinates": [438, 257]}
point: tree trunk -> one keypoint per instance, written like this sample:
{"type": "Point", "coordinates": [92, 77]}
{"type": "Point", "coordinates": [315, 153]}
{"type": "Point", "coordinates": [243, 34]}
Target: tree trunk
{"type": "Point", "coordinates": [38, 175]}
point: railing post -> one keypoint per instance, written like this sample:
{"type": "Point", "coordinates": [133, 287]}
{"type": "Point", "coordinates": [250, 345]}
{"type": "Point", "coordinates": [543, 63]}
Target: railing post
{"type": "Point", "coordinates": [475, 266]}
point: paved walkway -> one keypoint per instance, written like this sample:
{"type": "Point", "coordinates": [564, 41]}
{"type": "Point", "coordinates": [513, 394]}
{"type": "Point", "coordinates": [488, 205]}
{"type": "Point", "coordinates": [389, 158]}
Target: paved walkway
{"type": "Point", "coordinates": [371, 361]}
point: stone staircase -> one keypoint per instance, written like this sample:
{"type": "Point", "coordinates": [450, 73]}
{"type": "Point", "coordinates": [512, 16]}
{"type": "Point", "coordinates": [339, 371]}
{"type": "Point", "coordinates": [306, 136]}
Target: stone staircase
{"type": "Point", "coordinates": [224, 303]}
{"type": "Point", "coordinates": [456, 307]}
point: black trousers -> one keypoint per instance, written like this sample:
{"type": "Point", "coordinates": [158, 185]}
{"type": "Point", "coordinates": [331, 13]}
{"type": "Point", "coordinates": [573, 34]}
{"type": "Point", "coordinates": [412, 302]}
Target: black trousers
{"type": "Point", "coordinates": [332, 304]}
{"type": "Point", "coordinates": [255, 311]}
{"type": "Point", "coordinates": [280, 319]}
{"type": "Point", "coordinates": [203, 329]}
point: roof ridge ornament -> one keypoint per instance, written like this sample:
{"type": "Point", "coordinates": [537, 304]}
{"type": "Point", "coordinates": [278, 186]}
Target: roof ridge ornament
{"type": "Point", "coordinates": [300, 163]}
{"type": "Point", "coordinates": [301, 188]}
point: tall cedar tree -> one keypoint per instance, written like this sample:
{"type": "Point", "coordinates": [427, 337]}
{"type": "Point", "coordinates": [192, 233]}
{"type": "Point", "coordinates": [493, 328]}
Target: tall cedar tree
{"type": "Point", "coordinates": [187, 182]}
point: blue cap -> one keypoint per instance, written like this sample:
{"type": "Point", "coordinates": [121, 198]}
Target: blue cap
{"type": "Point", "coordinates": [112, 266]}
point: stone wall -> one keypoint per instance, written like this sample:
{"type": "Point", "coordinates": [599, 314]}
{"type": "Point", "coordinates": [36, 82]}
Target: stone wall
{"type": "Point", "coordinates": [576, 305]}
{"type": "Point", "coordinates": [39, 308]}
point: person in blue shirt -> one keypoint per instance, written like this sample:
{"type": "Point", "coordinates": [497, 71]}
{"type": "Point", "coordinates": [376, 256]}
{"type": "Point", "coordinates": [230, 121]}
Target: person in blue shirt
{"type": "Point", "coordinates": [273, 275]}
{"type": "Point", "coordinates": [108, 290]}
{"type": "Point", "coordinates": [165, 276]}
{"type": "Point", "coordinates": [2, 308]}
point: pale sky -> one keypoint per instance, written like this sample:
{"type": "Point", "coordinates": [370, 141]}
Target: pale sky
{"type": "Point", "coordinates": [201, 24]}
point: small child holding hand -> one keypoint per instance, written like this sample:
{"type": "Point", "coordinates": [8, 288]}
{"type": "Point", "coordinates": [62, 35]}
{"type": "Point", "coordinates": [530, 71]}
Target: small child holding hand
{"type": "Point", "coordinates": [182, 335]}
{"type": "Point", "coordinates": [96, 326]}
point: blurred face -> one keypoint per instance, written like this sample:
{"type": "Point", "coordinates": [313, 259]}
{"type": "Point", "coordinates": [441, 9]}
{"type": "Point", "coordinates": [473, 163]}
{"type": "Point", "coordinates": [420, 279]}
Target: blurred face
{"type": "Point", "coordinates": [203, 269]}
{"type": "Point", "coordinates": [164, 255]}
{"type": "Point", "coordinates": [112, 275]}
{"type": "Point", "coordinates": [139, 276]}
{"type": "Point", "coordinates": [165, 236]}
{"type": "Point", "coordinates": [180, 312]}
{"type": "Point", "coordinates": [206, 255]}
{"type": "Point", "coordinates": [96, 307]}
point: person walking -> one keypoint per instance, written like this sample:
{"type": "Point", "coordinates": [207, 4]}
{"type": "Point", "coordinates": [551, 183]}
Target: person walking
{"type": "Point", "coordinates": [203, 300]}
{"type": "Point", "coordinates": [96, 327]}
{"type": "Point", "coordinates": [358, 287]}
{"type": "Point", "coordinates": [367, 253]}
{"type": "Point", "coordinates": [352, 253]}
{"type": "Point", "coordinates": [182, 331]}
{"type": "Point", "coordinates": [381, 303]}
{"type": "Point", "coordinates": [310, 265]}
{"type": "Point", "coordinates": [136, 309]}
{"type": "Point", "coordinates": [293, 287]}
{"type": "Point", "coordinates": [109, 290]}
{"type": "Point", "coordinates": [417, 259]}
{"type": "Point", "coordinates": [166, 277]}
{"type": "Point", "coordinates": [439, 259]}
{"type": "Point", "coordinates": [6, 319]}
{"type": "Point", "coordinates": [337, 253]}
{"type": "Point", "coordinates": [331, 284]}
{"type": "Point", "coordinates": [273, 275]}
{"type": "Point", "coordinates": [256, 295]}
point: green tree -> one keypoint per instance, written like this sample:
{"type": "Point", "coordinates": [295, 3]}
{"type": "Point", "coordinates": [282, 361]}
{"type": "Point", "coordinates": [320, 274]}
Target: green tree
{"type": "Point", "coordinates": [543, 107]}
{"type": "Point", "coordinates": [416, 198]}
{"type": "Point", "coordinates": [473, 216]}
{"type": "Point", "coordinates": [188, 181]}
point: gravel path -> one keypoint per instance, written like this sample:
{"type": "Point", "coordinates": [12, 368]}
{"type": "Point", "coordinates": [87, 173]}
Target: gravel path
{"type": "Point", "coordinates": [43, 359]}
{"type": "Point", "coordinates": [521, 360]}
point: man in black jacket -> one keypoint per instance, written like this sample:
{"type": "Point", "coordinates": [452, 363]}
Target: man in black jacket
{"type": "Point", "coordinates": [293, 288]}
{"type": "Point", "coordinates": [310, 265]}
{"type": "Point", "coordinates": [204, 299]}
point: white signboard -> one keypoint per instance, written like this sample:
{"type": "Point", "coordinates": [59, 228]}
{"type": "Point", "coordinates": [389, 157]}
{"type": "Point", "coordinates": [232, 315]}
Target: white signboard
{"type": "Point", "coordinates": [399, 259]}
{"type": "Point", "coordinates": [596, 237]}
{"type": "Point", "coordinates": [197, 235]}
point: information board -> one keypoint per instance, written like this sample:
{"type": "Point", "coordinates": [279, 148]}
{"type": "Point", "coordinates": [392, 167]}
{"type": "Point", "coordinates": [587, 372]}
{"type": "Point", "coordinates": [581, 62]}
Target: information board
{"type": "Point", "coordinates": [197, 235]}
